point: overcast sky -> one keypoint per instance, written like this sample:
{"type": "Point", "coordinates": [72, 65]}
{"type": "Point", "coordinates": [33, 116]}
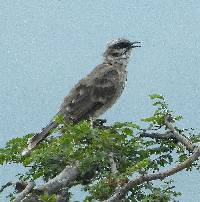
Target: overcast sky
{"type": "Point", "coordinates": [47, 46]}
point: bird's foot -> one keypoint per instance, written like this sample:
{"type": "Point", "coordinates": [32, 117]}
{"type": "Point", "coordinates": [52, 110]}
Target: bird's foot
{"type": "Point", "coordinates": [99, 122]}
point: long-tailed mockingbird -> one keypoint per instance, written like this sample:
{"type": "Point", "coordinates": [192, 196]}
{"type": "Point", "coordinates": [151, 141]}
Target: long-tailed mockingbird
{"type": "Point", "coordinates": [95, 93]}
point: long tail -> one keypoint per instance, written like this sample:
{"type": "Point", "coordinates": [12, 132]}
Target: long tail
{"type": "Point", "coordinates": [37, 138]}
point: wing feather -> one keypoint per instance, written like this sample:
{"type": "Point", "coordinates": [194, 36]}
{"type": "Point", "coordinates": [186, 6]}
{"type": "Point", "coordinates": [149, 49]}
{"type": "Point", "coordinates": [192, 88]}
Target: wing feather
{"type": "Point", "coordinates": [89, 96]}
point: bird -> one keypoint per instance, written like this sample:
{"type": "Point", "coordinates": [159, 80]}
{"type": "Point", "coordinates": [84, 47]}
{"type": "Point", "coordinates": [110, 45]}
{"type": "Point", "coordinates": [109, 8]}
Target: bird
{"type": "Point", "coordinates": [95, 93]}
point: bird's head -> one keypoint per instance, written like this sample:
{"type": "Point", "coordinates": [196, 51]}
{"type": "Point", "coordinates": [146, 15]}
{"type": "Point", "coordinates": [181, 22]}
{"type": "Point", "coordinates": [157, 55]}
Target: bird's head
{"type": "Point", "coordinates": [119, 50]}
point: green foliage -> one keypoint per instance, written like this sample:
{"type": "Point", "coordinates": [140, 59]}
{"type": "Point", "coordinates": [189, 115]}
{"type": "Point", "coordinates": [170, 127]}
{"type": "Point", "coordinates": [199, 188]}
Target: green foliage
{"type": "Point", "coordinates": [158, 118]}
{"type": "Point", "coordinates": [46, 197]}
{"type": "Point", "coordinates": [91, 147]}
{"type": "Point", "coordinates": [150, 193]}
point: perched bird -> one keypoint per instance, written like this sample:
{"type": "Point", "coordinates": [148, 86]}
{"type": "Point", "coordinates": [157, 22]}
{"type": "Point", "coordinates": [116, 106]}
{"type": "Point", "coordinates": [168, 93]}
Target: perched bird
{"type": "Point", "coordinates": [95, 93]}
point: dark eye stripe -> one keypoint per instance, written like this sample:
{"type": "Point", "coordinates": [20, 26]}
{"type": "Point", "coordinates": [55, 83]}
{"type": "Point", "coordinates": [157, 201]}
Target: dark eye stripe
{"type": "Point", "coordinates": [121, 45]}
{"type": "Point", "coordinates": [115, 54]}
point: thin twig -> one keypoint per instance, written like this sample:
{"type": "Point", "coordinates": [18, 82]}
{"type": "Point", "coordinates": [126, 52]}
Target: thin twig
{"type": "Point", "coordinates": [166, 135]}
{"type": "Point", "coordinates": [122, 191]}
{"type": "Point", "coordinates": [186, 142]}
{"type": "Point", "coordinates": [5, 186]}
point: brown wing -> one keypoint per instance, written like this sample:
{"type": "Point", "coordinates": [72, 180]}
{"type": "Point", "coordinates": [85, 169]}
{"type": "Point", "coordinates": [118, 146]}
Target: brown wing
{"type": "Point", "coordinates": [89, 95]}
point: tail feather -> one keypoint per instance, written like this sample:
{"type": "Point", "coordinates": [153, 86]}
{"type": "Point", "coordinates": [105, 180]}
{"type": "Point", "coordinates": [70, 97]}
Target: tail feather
{"type": "Point", "coordinates": [37, 138]}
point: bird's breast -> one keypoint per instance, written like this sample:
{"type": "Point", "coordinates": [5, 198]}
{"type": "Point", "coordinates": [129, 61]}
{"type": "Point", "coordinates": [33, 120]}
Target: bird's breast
{"type": "Point", "coordinates": [122, 82]}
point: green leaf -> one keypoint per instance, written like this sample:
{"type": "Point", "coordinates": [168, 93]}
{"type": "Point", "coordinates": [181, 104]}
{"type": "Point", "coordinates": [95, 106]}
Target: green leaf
{"type": "Point", "coordinates": [91, 147]}
{"type": "Point", "coordinates": [48, 198]}
{"type": "Point", "coordinates": [127, 131]}
{"type": "Point", "coordinates": [59, 119]}
{"type": "Point", "coordinates": [148, 119]}
{"type": "Point", "coordinates": [156, 96]}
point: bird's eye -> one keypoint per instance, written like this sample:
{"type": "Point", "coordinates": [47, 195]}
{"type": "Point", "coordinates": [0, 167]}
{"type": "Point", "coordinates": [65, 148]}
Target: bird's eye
{"type": "Point", "coordinates": [121, 45]}
{"type": "Point", "coordinates": [115, 54]}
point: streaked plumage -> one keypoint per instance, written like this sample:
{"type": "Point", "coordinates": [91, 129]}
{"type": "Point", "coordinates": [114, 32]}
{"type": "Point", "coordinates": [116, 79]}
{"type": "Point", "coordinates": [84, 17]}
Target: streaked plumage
{"type": "Point", "coordinates": [95, 93]}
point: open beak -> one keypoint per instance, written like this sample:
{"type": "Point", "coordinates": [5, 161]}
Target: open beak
{"type": "Point", "coordinates": [135, 44]}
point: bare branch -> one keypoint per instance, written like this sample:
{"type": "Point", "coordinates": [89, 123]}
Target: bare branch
{"type": "Point", "coordinates": [63, 180]}
{"type": "Point", "coordinates": [174, 134]}
{"type": "Point", "coordinates": [122, 191]}
{"type": "Point", "coordinates": [25, 192]}
{"type": "Point", "coordinates": [186, 142]}
{"type": "Point", "coordinates": [166, 135]}
{"type": "Point", "coordinates": [5, 186]}
{"type": "Point", "coordinates": [57, 185]}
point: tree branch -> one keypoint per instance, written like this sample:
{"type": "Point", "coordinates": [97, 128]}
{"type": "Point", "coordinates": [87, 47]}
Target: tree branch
{"type": "Point", "coordinates": [186, 142]}
{"type": "Point", "coordinates": [174, 134]}
{"type": "Point", "coordinates": [60, 184]}
{"type": "Point", "coordinates": [122, 191]}
{"type": "Point", "coordinates": [25, 192]}
{"type": "Point", "coordinates": [5, 186]}
{"type": "Point", "coordinates": [62, 180]}
{"type": "Point", "coordinates": [166, 135]}
{"type": "Point", "coordinates": [56, 185]}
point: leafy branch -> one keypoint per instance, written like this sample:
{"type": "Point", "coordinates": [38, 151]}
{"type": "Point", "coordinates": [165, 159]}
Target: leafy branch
{"type": "Point", "coordinates": [112, 163]}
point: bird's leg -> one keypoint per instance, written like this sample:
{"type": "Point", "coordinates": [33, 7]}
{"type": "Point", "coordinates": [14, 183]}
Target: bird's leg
{"type": "Point", "coordinates": [99, 123]}
{"type": "Point", "coordinates": [92, 122]}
